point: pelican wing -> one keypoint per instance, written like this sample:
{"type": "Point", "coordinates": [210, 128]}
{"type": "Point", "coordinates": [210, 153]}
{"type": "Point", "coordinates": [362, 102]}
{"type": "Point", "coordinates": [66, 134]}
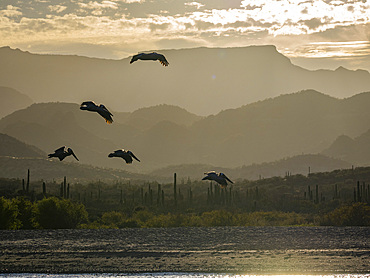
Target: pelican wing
{"type": "Point", "coordinates": [136, 57]}
{"type": "Point", "coordinates": [150, 56]}
{"type": "Point", "coordinates": [163, 60]}
{"type": "Point", "coordinates": [127, 158]}
{"type": "Point", "coordinates": [227, 178]}
{"type": "Point", "coordinates": [61, 149]}
{"type": "Point", "coordinates": [103, 111]}
{"type": "Point", "coordinates": [210, 172]}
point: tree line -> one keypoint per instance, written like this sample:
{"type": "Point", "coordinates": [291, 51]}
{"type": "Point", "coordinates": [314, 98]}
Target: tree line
{"type": "Point", "coordinates": [333, 198]}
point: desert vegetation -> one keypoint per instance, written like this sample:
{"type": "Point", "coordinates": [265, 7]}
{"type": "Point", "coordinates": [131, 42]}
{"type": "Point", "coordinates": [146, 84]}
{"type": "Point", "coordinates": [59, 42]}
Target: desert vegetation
{"type": "Point", "coordinates": [338, 198]}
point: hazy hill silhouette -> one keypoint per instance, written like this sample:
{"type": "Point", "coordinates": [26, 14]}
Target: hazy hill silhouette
{"type": "Point", "coordinates": [300, 164]}
{"type": "Point", "coordinates": [9, 146]}
{"type": "Point", "coordinates": [346, 148]}
{"type": "Point", "coordinates": [147, 117]}
{"type": "Point", "coordinates": [47, 169]}
{"type": "Point", "coordinates": [202, 80]}
{"type": "Point", "coordinates": [303, 122]}
{"type": "Point", "coordinates": [51, 125]}
{"type": "Point", "coordinates": [289, 125]}
{"type": "Point", "coordinates": [12, 100]}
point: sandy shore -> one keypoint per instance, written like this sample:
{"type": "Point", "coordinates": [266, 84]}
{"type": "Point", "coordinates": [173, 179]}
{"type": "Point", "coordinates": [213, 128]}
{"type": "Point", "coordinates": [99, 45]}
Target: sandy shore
{"type": "Point", "coordinates": [247, 250]}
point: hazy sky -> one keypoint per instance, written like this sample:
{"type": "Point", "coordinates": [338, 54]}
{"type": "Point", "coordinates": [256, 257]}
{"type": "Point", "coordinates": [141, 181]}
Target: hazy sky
{"type": "Point", "coordinates": [334, 32]}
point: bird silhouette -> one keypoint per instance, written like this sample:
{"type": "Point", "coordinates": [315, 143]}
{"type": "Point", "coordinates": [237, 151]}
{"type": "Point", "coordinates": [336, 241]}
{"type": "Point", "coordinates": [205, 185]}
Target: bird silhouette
{"type": "Point", "coordinates": [220, 178]}
{"type": "Point", "coordinates": [101, 109]}
{"type": "Point", "coordinates": [125, 154]}
{"type": "Point", "coordinates": [150, 56]}
{"type": "Point", "coordinates": [62, 153]}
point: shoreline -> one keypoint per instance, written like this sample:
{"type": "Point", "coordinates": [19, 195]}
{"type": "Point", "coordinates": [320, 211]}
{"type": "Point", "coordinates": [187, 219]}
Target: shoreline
{"type": "Point", "coordinates": [229, 250]}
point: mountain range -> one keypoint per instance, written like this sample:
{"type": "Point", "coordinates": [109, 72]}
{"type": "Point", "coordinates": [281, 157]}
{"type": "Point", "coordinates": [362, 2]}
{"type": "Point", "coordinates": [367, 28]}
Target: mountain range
{"type": "Point", "coordinates": [300, 164]}
{"type": "Point", "coordinates": [9, 146]}
{"type": "Point", "coordinates": [306, 122]}
{"type": "Point", "coordinates": [16, 157]}
{"type": "Point", "coordinates": [351, 149]}
{"type": "Point", "coordinates": [201, 80]}
{"type": "Point", "coordinates": [12, 100]}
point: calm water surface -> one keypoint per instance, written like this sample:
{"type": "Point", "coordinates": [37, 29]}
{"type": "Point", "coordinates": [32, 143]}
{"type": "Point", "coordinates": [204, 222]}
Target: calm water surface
{"type": "Point", "coordinates": [175, 275]}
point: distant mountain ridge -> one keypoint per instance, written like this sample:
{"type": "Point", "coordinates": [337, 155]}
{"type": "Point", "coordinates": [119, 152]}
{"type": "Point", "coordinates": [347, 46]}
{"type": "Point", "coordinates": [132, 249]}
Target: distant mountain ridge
{"type": "Point", "coordinates": [51, 125]}
{"type": "Point", "coordinates": [46, 169]}
{"type": "Point", "coordinates": [304, 122]}
{"type": "Point", "coordinates": [346, 148]}
{"type": "Point", "coordinates": [9, 146]}
{"type": "Point", "coordinates": [12, 100]}
{"type": "Point", "coordinates": [300, 164]}
{"type": "Point", "coordinates": [202, 80]}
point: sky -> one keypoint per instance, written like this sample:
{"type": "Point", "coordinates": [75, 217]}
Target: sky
{"type": "Point", "coordinates": [313, 33]}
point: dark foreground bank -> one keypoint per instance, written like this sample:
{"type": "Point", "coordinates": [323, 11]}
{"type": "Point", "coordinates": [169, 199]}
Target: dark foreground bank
{"type": "Point", "coordinates": [248, 250]}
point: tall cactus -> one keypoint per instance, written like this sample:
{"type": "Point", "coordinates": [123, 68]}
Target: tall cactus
{"type": "Point", "coordinates": [159, 191]}
{"type": "Point", "coordinates": [61, 190]}
{"type": "Point", "coordinates": [65, 187]}
{"type": "Point", "coordinates": [358, 192]}
{"type": "Point", "coordinates": [174, 189]}
{"type": "Point", "coordinates": [28, 181]}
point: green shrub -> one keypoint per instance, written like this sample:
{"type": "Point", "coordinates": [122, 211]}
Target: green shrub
{"type": "Point", "coordinates": [8, 215]}
{"type": "Point", "coordinates": [357, 214]}
{"type": "Point", "coordinates": [26, 213]}
{"type": "Point", "coordinates": [114, 220]}
{"type": "Point", "coordinates": [166, 220]}
{"type": "Point", "coordinates": [217, 218]}
{"type": "Point", "coordinates": [53, 213]}
{"type": "Point", "coordinates": [142, 216]}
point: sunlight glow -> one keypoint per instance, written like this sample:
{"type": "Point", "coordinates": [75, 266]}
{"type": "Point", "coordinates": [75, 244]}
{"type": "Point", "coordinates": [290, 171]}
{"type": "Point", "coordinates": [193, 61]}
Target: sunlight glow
{"type": "Point", "coordinates": [143, 24]}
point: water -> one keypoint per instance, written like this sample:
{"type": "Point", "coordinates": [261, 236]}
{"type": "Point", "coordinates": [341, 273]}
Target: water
{"type": "Point", "coordinates": [175, 275]}
{"type": "Point", "coordinates": [188, 252]}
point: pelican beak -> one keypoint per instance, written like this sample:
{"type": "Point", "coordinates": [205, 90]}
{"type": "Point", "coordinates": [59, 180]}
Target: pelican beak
{"type": "Point", "coordinates": [75, 156]}
{"type": "Point", "coordinates": [135, 157]}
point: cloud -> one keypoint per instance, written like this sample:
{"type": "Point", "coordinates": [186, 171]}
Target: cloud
{"type": "Point", "coordinates": [194, 4]}
{"type": "Point", "coordinates": [11, 11]}
{"type": "Point", "coordinates": [313, 23]}
{"type": "Point", "coordinates": [57, 8]}
{"type": "Point", "coordinates": [161, 26]}
{"type": "Point", "coordinates": [335, 49]}
{"type": "Point", "coordinates": [96, 5]}
{"type": "Point", "coordinates": [130, 1]}
{"type": "Point", "coordinates": [97, 8]}
{"type": "Point", "coordinates": [148, 24]}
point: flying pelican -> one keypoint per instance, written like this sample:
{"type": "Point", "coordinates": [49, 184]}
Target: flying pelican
{"type": "Point", "coordinates": [101, 109]}
{"type": "Point", "coordinates": [126, 155]}
{"type": "Point", "coordinates": [62, 153]}
{"type": "Point", "coordinates": [217, 177]}
{"type": "Point", "coordinates": [150, 56]}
